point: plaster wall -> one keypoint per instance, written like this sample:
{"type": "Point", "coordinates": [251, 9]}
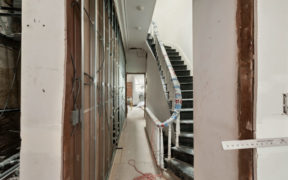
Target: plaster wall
{"type": "Point", "coordinates": [272, 67]}
{"type": "Point", "coordinates": [136, 61]}
{"type": "Point", "coordinates": [42, 92]}
{"type": "Point", "coordinates": [155, 97]}
{"type": "Point", "coordinates": [174, 21]}
{"type": "Point", "coordinates": [215, 88]}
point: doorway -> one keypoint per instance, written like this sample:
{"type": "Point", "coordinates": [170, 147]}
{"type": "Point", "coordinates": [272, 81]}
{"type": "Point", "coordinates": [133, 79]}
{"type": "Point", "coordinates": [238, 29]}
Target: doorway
{"type": "Point", "coordinates": [135, 88]}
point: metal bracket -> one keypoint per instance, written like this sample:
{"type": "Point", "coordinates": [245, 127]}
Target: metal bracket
{"type": "Point", "coordinates": [254, 143]}
{"type": "Point", "coordinates": [75, 117]}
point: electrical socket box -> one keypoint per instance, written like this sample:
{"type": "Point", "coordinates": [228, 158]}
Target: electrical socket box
{"type": "Point", "coordinates": [285, 104]}
{"type": "Point", "coordinates": [75, 117]}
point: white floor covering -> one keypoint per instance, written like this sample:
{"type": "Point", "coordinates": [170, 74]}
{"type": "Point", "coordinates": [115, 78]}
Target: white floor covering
{"type": "Point", "coordinates": [135, 147]}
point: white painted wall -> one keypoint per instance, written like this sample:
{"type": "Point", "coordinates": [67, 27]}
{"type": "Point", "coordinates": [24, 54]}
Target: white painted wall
{"type": "Point", "coordinates": [42, 91]}
{"type": "Point", "coordinates": [136, 61]}
{"type": "Point", "coordinates": [272, 67]}
{"type": "Point", "coordinates": [155, 97]}
{"type": "Point", "coordinates": [215, 88]}
{"type": "Point", "coordinates": [174, 21]}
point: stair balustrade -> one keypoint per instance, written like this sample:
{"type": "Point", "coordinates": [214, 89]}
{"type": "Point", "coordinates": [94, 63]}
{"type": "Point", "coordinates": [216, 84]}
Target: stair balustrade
{"type": "Point", "coordinates": [154, 126]}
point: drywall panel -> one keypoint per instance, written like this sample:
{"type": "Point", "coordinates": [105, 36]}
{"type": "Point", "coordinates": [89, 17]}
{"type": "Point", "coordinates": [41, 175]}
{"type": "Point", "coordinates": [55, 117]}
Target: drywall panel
{"type": "Point", "coordinates": [136, 61]}
{"type": "Point", "coordinates": [272, 38]}
{"type": "Point", "coordinates": [42, 93]}
{"type": "Point", "coordinates": [155, 96]}
{"type": "Point", "coordinates": [176, 28]}
{"type": "Point", "coordinates": [215, 88]}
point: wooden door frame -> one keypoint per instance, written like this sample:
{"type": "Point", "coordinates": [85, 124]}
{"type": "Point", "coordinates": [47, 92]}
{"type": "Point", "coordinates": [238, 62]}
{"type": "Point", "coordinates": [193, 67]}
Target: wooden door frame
{"type": "Point", "coordinates": [245, 24]}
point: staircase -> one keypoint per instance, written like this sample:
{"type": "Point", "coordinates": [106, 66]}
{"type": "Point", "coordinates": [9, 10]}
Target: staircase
{"type": "Point", "coordinates": [182, 161]}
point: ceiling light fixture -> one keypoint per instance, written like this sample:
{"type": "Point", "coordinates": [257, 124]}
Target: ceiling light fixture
{"type": "Point", "coordinates": [140, 8]}
{"type": "Point", "coordinates": [139, 28]}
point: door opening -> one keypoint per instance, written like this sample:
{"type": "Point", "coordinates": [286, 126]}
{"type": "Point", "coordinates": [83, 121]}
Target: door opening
{"type": "Point", "coordinates": [135, 88]}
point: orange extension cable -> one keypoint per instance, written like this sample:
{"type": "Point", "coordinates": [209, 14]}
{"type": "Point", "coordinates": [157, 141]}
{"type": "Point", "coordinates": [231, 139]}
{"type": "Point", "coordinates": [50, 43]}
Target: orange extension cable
{"type": "Point", "coordinates": [145, 176]}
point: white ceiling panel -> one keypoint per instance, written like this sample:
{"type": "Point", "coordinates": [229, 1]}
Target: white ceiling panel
{"type": "Point", "coordinates": [135, 17]}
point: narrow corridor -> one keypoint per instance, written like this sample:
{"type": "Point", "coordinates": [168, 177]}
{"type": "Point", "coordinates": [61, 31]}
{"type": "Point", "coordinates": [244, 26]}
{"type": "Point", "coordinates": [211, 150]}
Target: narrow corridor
{"type": "Point", "coordinates": [135, 147]}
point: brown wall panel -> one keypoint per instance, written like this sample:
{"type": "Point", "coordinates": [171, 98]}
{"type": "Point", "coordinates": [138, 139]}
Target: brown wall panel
{"type": "Point", "coordinates": [72, 134]}
{"type": "Point", "coordinates": [246, 75]}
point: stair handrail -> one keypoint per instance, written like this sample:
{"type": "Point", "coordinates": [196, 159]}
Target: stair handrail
{"type": "Point", "coordinates": [173, 88]}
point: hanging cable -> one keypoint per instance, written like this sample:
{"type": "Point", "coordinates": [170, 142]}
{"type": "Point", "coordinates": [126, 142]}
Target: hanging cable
{"type": "Point", "coordinates": [11, 86]}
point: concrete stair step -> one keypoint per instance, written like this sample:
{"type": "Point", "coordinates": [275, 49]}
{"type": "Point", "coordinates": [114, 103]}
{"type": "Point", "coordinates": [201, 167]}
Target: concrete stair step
{"type": "Point", "coordinates": [179, 67]}
{"type": "Point", "coordinates": [170, 50]}
{"type": "Point", "coordinates": [186, 114]}
{"type": "Point", "coordinates": [183, 153]}
{"type": "Point", "coordinates": [185, 78]}
{"type": "Point", "coordinates": [187, 103]}
{"type": "Point", "coordinates": [186, 125]}
{"type": "Point", "coordinates": [186, 86]}
{"type": "Point", "coordinates": [173, 62]}
{"type": "Point", "coordinates": [186, 139]}
{"type": "Point", "coordinates": [182, 72]}
{"type": "Point", "coordinates": [181, 169]}
{"type": "Point", "coordinates": [174, 58]}
{"type": "Point", "coordinates": [187, 94]}
{"type": "Point", "coordinates": [172, 53]}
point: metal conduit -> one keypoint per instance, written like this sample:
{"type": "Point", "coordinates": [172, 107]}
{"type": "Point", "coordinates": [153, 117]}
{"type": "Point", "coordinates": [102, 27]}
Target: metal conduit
{"type": "Point", "coordinates": [95, 79]}
{"type": "Point", "coordinates": [82, 92]}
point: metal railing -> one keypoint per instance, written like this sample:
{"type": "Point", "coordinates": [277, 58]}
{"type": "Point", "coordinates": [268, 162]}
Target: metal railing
{"type": "Point", "coordinates": [173, 87]}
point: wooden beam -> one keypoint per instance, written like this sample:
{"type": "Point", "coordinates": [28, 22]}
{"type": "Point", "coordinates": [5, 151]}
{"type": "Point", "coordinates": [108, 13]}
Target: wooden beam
{"type": "Point", "coordinates": [246, 75]}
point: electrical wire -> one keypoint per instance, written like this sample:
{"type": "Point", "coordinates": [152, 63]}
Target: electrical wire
{"type": "Point", "coordinates": [11, 86]}
{"type": "Point", "coordinates": [74, 79]}
{"type": "Point", "coordinates": [144, 176]}
{"type": "Point", "coordinates": [75, 96]}
{"type": "Point", "coordinates": [99, 34]}
{"type": "Point", "coordinates": [147, 176]}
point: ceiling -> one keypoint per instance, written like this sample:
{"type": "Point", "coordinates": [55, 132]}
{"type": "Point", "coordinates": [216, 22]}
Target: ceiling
{"type": "Point", "coordinates": [135, 17]}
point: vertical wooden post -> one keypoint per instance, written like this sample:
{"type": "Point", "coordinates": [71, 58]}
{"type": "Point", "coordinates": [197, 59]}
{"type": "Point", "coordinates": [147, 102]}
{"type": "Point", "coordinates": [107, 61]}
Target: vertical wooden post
{"type": "Point", "coordinates": [246, 70]}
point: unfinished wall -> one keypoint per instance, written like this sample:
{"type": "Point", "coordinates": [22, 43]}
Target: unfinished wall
{"type": "Point", "coordinates": [42, 93]}
{"type": "Point", "coordinates": [272, 38]}
{"type": "Point", "coordinates": [90, 143]}
{"type": "Point", "coordinates": [215, 88]}
{"type": "Point", "coordinates": [72, 131]}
